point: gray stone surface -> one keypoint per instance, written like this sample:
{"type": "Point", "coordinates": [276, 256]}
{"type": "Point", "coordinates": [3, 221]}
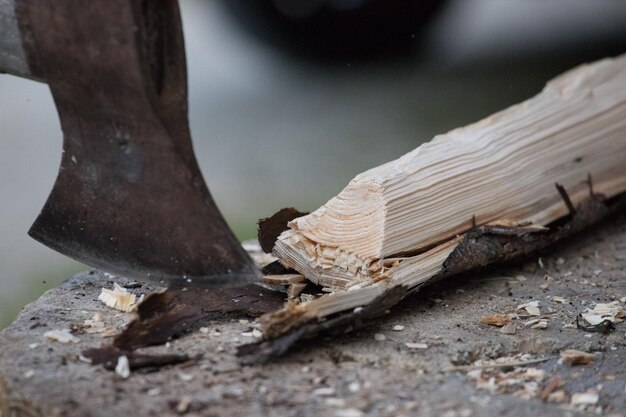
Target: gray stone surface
{"type": "Point", "coordinates": [351, 375]}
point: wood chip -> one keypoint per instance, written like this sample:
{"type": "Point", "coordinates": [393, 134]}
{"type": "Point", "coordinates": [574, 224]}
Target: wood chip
{"type": "Point", "coordinates": [496, 320]}
{"type": "Point", "coordinates": [335, 402]}
{"type": "Point", "coordinates": [545, 393]}
{"type": "Point", "coordinates": [531, 307]}
{"type": "Point", "coordinates": [557, 397]}
{"type": "Point", "coordinates": [509, 328]}
{"type": "Point", "coordinates": [118, 298]}
{"type": "Point", "coordinates": [603, 312]}
{"type": "Point", "coordinates": [324, 391]}
{"type": "Point", "coordinates": [61, 336]}
{"type": "Point", "coordinates": [122, 369]}
{"type": "Point", "coordinates": [412, 345]}
{"type": "Point", "coordinates": [183, 405]}
{"type": "Point", "coordinates": [541, 324]}
{"type": "Point", "coordinates": [109, 332]}
{"type": "Point", "coordinates": [295, 289]}
{"type": "Point", "coordinates": [585, 398]}
{"type": "Point", "coordinates": [521, 382]}
{"type": "Point", "coordinates": [576, 357]}
{"type": "Point", "coordinates": [94, 325]}
{"type": "Point", "coordinates": [349, 412]}
{"type": "Point", "coordinates": [286, 279]}
{"type": "Point", "coordinates": [560, 300]}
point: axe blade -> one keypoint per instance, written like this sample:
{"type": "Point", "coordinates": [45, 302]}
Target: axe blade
{"type": "Point", "coordinates": [129, 197]}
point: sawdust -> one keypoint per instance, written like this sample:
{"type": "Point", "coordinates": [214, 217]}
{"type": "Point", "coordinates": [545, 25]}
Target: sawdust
{"type": "Point", "coordinates": [506, 377]}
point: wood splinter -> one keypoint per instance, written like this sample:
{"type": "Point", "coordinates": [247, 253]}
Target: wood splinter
{"type": "Point", "coordinates": [405, 223]}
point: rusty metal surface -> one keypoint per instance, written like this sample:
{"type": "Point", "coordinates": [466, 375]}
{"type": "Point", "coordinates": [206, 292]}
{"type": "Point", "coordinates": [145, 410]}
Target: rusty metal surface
{"type": "Point", "coordinates": [129, 197]}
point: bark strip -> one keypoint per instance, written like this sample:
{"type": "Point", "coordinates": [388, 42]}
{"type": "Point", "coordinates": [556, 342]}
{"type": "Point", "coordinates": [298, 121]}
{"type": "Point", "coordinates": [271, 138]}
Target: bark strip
{"type": "Point", "coordinates": [480, 247]}
{"type": "Point", "coordinates": [163, 316]}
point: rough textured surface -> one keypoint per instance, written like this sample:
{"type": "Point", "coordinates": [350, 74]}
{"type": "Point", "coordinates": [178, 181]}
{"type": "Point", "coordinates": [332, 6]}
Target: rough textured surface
{"type": "Point", "coordinates": [349, 375]}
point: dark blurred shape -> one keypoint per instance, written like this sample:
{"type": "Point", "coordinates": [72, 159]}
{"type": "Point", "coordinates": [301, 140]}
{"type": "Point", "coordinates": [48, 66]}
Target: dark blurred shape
{"type": "Point", "coordinates": [337, 29]}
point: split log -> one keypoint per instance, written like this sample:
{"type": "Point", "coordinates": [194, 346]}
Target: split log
{"type": "Point", "coordinates": [474, 196]}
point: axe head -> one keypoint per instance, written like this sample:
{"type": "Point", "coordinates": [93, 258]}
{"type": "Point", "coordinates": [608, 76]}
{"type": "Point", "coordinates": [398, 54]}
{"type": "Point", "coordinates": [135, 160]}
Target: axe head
{"type": "Point", "coordinates": [129, 197]}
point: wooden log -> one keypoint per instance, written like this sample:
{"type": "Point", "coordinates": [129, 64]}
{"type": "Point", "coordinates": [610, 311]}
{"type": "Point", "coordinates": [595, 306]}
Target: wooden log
{"type": "Point", "coordinates": [414, 219]}
{"type": "Point", "coordinates": [501, 169]}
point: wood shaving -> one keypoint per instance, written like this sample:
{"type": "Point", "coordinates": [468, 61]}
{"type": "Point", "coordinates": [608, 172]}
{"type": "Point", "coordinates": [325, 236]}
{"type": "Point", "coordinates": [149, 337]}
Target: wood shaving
{"type": "Point", "coordinates": [94, 325]}
{"type": "Point", "coordinates": [496, 320]}
{"type": "Point", "coordinates": [509, 328]}
{"type": "Point", "coordinates": [256, 253]}
{"type": "Point", "coordinates": [61, 336]}
{"type": "Point", "coordinates": [324, 391]}
{"type": "Point", "coordinates": [335, 402]}
{"type": "Point", "coordinates": [295, 290]}
{"type": "Point", "coordinates": [349, 412]}
{"type": "Point", "coordinates": [560, 300]}
{"type": "Point", "coordinates": [603, 312]}
{"type": "Point", "coordinates": [576, 357]}
{"type": "Point", "coordinates": [412, 345]}
{"type": "Point", "coordinates": [540, 324]}
{"type": "Point", "coordinates": [585, 398]}
{"type": "Point", "coordinates": [531, 307]}
{"type": "Point", "coordinates": [285, 279]}
{"type": "Point", "coordinates": [554, 384]}
{"type": "Point", "coordinates": [119, 298]}
{"type": "Point", "coordinates": [109, 332]}
{"type": "Point", "coordinates": [305, 298]}
{"type": "Point", "coordinates": [557, 397]}
{"type": "Point", "coordinates": [183, 405]}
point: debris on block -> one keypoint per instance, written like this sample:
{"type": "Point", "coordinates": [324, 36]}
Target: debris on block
{"type": "Point", "coordinates": [507, 375]}
{"type": "Point", "coordinates": [537, 323]}
{"type": "Point", "coordinates": [603, 312]}
{"type": "Point", "coordinates": [549, 389]}
{"type": "Point", "coordinates": [576, 357]}
{"type": "Point", "coordinates": [123, 367]}
{"type": "Point", "coordinates": [413, 345]}
{"type": "Point", "coordinates": [531, 307]}
{"type": "Point", "coordinates": [119, 298]}
{"type": "Point", "coordinates": [590, 397]}
{"type": "Point", "coordinates": [498, 320]}
{"type": "Point", "coordinates": [284, 279]}
{"type": "Point", "coordinates": [61, 336]}
{"type": "Point", "coordinates": [509, 328]}
{"type": "Point", "coordinates": [295, 290]}
{"type": "Point", "coordinates": [94, 325]}
{"type": "Point", "coordinates": [560, 300]}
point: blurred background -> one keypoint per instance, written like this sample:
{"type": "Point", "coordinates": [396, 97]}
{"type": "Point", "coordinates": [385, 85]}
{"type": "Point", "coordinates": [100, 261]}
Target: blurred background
{"type": "Point", "coordinates": [290, 99]}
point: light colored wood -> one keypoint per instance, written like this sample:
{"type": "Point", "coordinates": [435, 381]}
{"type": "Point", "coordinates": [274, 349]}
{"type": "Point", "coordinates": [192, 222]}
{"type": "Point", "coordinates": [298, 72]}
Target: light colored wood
{"type": "Point", "coordinates": [396, 224]}
{"type": "Point", "coordinates": [503, 168]}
